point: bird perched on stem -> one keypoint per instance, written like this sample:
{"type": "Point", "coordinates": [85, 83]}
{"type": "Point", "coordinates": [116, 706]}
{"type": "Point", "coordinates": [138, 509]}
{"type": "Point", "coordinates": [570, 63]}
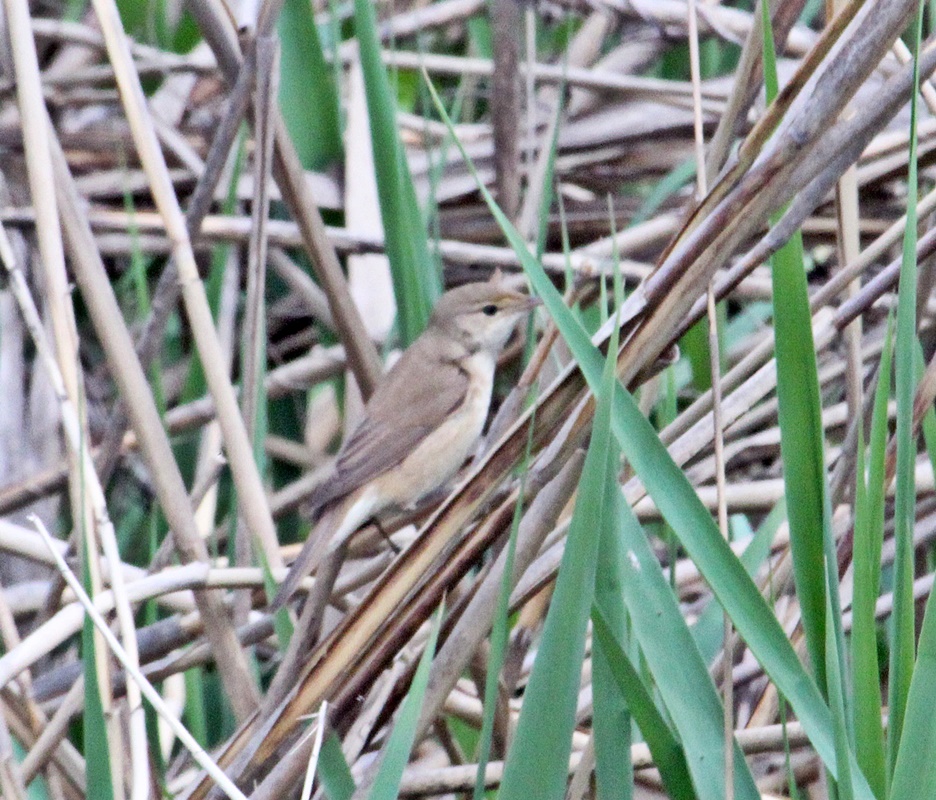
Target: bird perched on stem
{"type": "Point", "coordinates": [422, 421]}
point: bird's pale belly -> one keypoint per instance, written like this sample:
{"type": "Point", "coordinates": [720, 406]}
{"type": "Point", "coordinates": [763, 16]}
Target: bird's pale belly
{"type": "Point", "coordinates": [437, 458]}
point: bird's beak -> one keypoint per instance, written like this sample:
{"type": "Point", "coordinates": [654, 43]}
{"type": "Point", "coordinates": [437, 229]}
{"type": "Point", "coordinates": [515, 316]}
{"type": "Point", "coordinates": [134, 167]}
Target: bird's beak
{"type": "Point", "coordinates": [529, 303]}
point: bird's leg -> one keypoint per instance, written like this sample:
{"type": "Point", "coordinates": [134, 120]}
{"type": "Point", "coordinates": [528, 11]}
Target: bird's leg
{"type": "Point", "coordinates": [380, 529]}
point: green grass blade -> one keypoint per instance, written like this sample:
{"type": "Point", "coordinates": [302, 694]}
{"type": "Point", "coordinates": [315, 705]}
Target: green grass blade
{"type": "Point", "coordinates": [676, 665]}
{"type": "Point", "coordinates": [611, 726]}
{"type": "Point", "coordinates": [546, 190]}
{"type": "Point", "coordinates": [836, 683]}
{"type": "Point", "coordinates": [611, 722]}
{"type": "Point", "coordinates": [196, 720]}
{"type": "Point", "coordinates": [195, 385]}
{"type": "Point", "coordinates": [709, 630]}
{"type": "Point", "coordinates": [499, 635]}
{"type": "Point", "coordinates": [537, 762]}
{"type": "Point", "coordinates": [803, 454]}
{"type": "Point", "coordinates": [387, 783]}
{"type": "Point", "coordinates": [694, 347]}
{"type": "Point", "coordinates": [902, 619]}
{"type": "Point", "coordinates": [96, 749]}
{"type": "Point", "coordinates": [800, 417]}
{"type": "Point", "coordinates": [416, 283]}
{"type": "Point", "coordinates": [914, 777]}
{"type": "Point", "coordinates": [333, 769]}
{"type": "Point", "coordinates": [690, 519]}
{"type": "Point", "coordinates": [308, 95]}
{"type": "Point", "coordinates": [95, 739]}
{"type": "Point", "coordinates": [668, 185]}
{"type": "Point", "coordinates": [911, 734]}
{"type": "Point", "coordinates": [868, 539]}
{"type": "Point", "coordinates": [917, 750]}
{"type": "Point", "coordinates": [801, 443]}
{"type": "Point", "coordinates": [928, 424]}
{"type": "Point", "coordinates": [667, 752]}
{"type": "Point", "coordinates": [769, 54]}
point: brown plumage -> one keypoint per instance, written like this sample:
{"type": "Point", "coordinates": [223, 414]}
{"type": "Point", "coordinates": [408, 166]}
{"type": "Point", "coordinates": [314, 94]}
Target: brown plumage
{"type": "Point", "coordinates": [422, 421]}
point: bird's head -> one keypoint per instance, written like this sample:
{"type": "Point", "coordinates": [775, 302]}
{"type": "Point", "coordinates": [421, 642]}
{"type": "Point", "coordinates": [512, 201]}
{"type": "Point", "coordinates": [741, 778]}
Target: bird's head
{"type": "Point", "coordinates": [481, 315]}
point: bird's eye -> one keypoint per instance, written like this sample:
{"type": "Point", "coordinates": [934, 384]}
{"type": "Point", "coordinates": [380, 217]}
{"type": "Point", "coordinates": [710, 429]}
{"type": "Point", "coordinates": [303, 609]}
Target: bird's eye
{"type": "Point", "coordinates": [489, 310]}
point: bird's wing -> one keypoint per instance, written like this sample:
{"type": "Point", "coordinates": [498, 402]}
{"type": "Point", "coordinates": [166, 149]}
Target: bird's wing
{"type": "Point", "coordinates": [406, 407]}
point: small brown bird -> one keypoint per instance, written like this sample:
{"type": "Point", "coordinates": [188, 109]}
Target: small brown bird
{"type": "Point", "coordinates": [422, 421]}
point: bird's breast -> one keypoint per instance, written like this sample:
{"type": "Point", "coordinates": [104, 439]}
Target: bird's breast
{"type": "Point", "coordinates": [439, 455]}
{"type": "Point", "coordinates": [480, 369]}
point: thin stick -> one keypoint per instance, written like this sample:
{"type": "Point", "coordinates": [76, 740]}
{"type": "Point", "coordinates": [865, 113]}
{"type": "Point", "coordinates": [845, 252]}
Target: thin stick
{"type": "Point", "coordinates": [849, 251]}
{"type": "Point", "coordinates": [12, 784]}
{"type": "Point", "coordinates": [254, 326]}
{"type": "Point", "coordinates": [54, 731]}
{"type": "Point", "coordinates": [42, 189]}
{"type": "Point", "coordinates": [37, 145]}
{"type": "Point", "coordinates": [254, 329]}
{"type": "Point", "coordinates": [715, 371]}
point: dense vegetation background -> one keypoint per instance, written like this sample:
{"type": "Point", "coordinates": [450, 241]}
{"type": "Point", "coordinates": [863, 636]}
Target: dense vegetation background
{"type": "Point", "coordinates": [708, 578]}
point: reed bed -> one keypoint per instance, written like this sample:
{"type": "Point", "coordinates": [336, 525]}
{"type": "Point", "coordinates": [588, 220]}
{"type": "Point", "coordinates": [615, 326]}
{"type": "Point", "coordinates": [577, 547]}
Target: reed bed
{"type": "Point", "coordinates": [692, 557]}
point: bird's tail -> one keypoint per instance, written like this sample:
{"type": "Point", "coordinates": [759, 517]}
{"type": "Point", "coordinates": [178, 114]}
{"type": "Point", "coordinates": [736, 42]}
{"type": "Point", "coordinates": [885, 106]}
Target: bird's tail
{"type": "Point", "coordinates": [316, 546]}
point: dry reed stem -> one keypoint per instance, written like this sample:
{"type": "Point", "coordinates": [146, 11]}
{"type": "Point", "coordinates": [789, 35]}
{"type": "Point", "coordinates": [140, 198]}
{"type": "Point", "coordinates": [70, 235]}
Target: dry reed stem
{"type": "Point", "coordinates": [250, 488]}
{"type": "Point", "coordinates": [128, 373]}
